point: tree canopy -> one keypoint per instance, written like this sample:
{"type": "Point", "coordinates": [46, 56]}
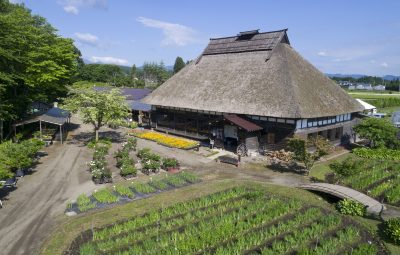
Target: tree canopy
{"type": "Point", "coordinates": [179, 64]}
{"type": "Point", "coordinates": [111, 74]}
{"type": "Point", "coordinates": [98, 107]}
{"type": "Point", "coordinates": [35, 62]}
{"type": "Point", "coordinates": [380, 132]}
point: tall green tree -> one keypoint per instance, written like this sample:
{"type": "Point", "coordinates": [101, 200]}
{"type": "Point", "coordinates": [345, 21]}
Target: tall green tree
{"type": "Point", "coordinates": [380, 132]}
{"type": "Point", "coordinates": [98, 107]}
{"type": "Point", "coordinates": [35, 62]}
{"type": "Point", "coordinates": [154, 74]}
{"type": "Point", "coordinates": [179, 64]}
{"type": "Point", "coordinates": [133, 72]}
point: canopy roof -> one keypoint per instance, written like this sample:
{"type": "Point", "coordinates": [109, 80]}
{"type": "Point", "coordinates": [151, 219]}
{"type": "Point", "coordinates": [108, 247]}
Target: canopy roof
{"type": "Point", "coordinates": [54, 115]}
{"type": "Point", "coordinates": [245, 124]}
{"type": "Point", "coordinates": [366, 105]}
{"type": "Point", "coordinates": [262, 76]}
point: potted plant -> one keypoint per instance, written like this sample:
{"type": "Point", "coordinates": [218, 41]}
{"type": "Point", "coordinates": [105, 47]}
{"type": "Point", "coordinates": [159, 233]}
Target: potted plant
{"type": "Point", "coordinates": [128, 171]}
{"type": "Point", "coordinates": [170, 164]}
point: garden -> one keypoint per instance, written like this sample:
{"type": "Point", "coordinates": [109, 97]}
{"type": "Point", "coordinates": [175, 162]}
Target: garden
{"type": "Point", "coordinates": [237, 220]}
{"type": "Point", "coordinates": [166, 140]}
{"type": "Point", "coordinates": [121, 193]}
{"type": "Point", "coordinates": [16, 158]}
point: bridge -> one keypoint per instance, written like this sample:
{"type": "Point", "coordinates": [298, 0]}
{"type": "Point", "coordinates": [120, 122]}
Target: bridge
{"type": "Point", "coordinates": [373, 206]}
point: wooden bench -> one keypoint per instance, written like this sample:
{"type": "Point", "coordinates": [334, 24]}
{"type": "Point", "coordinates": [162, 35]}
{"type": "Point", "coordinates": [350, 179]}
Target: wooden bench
{"type": "Point", "coordinates": [228, 160]}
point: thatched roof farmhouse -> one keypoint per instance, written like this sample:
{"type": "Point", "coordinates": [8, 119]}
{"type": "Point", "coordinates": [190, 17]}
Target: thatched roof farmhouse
{"type": "Point", "coordinates": [259, 78]}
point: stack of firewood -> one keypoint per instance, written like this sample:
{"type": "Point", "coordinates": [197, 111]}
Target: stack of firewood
{"type": "Point", "coordinates": [281, 155]}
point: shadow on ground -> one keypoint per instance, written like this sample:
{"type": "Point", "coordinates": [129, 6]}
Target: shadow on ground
{"type": "Point", "coordinates": [84, 138]}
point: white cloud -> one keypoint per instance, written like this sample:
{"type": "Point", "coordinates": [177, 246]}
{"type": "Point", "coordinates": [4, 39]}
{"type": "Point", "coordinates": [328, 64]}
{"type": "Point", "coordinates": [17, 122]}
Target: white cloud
{"type": "Point", "coordinates": [87, 38]}
{"type": "Point", "coordinates": [384, 64]}
{"type": "Point", "coordinates": [73, 6]}
{"type": "Point", "coordinates": [175, 34]}
{"type": "Point", "coordinates": [322, 53]}
{"type": "Point", "coordinates": [71, 9]}
{"type": "Point", "coordinates": [109, 60]}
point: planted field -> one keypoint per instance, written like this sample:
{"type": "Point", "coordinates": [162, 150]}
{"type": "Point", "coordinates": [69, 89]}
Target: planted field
{"type": "Point", "coordinates": [234, 221]}
{"type": "Point", "coordinates": [137, 190]}
{"type": "Point", "coordinates": [378, 179]}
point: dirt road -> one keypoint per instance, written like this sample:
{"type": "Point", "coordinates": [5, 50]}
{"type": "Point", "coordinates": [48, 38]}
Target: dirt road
{"type": "Point", "coordinates": [29, 212]}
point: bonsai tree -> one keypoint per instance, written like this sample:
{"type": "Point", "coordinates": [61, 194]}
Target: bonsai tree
{"type": "Point", "coordinates": [380, 132]}
{"type": "Point", "coordinates": [98, 107]}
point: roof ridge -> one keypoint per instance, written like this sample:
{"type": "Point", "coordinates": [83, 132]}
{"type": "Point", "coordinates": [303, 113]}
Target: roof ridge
{"type": "Point", "coordinates": [260, 33]}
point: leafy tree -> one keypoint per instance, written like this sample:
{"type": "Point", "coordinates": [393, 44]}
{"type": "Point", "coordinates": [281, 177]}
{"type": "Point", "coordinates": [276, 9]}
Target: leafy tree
{"type": "Point", "coordinates": [179, 64]}
{"type": "Point", "coordinates": [98, 107]}
{"type": "Point", "coordinates": [380, 132]}
{"type": "Point", "coordinates": [35, 62]}
{"type": "Point", "coordinates": [299, 147]}
{"type": "Point", "coordinates": [133, 72]}
{"type": "Point", "coordinates": [112, 74]}
{"type": "Point", "coordinates": [155, 74]}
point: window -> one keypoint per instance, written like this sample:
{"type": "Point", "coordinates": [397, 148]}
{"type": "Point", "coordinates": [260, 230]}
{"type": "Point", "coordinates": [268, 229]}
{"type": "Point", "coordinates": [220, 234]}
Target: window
{"type": "Point", "coordinates": [324, 122]}
{"type": "Point", "coordinates": [272, 119]}
{"type": "Point", "coordinates": [337, 118]}
{"type": "Point", "coordinates": [298, 124]}
{"type": "Point", "coordinates": [281, 120]}
{"type": "Point", "coordinates": [341, 117]}
{"type": "Point", "coordinates": [290, 121]}
{"type": "Point", "coordinates": [304, 123]}
{"type": "Point", "coordinates": [264, 118]}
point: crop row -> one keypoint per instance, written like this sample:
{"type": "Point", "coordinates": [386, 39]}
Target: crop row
{"type": "Point", "coordinates": [234, 221]}
{"type": "Point", "coordinates": [170, 226]}
{"type": "Point", "coordinates": [176, 210]}
{"type": "Point", "coordinates": [366, 178]}
{"type": "Point", "coordinates": [194, 238]}
{"type": "Point", "coordinates": [167, 224]}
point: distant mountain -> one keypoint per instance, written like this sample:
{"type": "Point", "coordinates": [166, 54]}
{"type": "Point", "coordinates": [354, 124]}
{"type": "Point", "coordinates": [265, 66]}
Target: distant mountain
{"type": "Point", "coordinates": [338, 75]}
{"type": "Point", "coordinates": [358, 76]}
{"type": "Point", "coordinates": [391, 77]}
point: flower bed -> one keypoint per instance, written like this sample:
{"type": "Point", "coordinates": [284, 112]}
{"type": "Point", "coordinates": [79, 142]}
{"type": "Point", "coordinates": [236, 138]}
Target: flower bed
{"type": "Point", "coordinates": [166, 140]}
{"type": "Point", "coordinates": [138, 190]}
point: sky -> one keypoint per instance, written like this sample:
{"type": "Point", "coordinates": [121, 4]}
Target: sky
{"type": "Point", "coordinates": [342, 36]}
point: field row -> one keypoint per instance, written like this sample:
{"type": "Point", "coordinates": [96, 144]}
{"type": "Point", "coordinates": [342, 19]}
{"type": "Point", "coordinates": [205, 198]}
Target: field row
{"type": "Point", "coordinates": [120, 193]}
{"type": "Point", "coordinates": [235, 221]}
{"type": "Point", "coordinates": [380, 180]}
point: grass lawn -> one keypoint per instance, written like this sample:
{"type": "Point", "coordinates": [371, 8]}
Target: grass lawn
{"type": "Point", "coordinates": [320, 169]}
{"type": "Point", "coordinates": [70, 228]}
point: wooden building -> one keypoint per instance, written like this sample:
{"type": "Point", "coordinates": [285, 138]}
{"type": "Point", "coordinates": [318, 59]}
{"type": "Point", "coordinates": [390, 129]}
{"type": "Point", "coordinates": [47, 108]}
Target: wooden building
{"type": "Point", "coordinates": [252, 88]}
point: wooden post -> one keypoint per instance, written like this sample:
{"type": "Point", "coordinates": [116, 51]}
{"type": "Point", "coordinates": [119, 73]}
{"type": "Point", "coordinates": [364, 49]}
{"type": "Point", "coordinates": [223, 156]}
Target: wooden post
{"type": "Point", "coordinates": [40, 128]}
{"type": "Point", "coordinates": [61, 134]}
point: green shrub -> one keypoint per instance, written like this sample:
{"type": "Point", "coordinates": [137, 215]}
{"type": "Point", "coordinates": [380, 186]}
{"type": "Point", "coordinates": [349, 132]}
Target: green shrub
{"type": "Point", "coordinates": [189, 177]}
{"type": "Point", "coordinates": [144, 153]}
{"type": "Point", "coordinates": [347, 167]}
{"type": "Point", "coordinates": [159, 184]}
{"type": "Point", "coordinates": [84, 203]}
{"type": "Point", "coordinates": [143, 188]}
{"type": "Point", "coordinates": [351, 207]}
{"type": "Point", "coordinates": [380, 153]}
{"type": "Point", "coordinates": [392, 229]}
{"type": "Point", "coordinates": [87, 249]}
{"type": "Point", "coordinates": [101, 142]}
{"type": "Point", "coordinates": [124, 191]}
{"type": "Point", "coordinates": [150, 166]}
{"type": "Point", "coordinates": [105, 196]}
{"type": "Point", "coordinates": [169, 162]}
{"type": "Point", "coordinates": [128, 169]}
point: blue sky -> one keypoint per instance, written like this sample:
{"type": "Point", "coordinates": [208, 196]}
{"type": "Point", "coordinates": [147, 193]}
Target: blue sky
{"type": "Point", "coordinates": [336, 36]}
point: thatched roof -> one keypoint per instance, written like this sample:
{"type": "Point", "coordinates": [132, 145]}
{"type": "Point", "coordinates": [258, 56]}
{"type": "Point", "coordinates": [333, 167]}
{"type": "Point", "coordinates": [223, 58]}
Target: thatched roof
{"type": "Point", "coordinates": [271, 81]}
